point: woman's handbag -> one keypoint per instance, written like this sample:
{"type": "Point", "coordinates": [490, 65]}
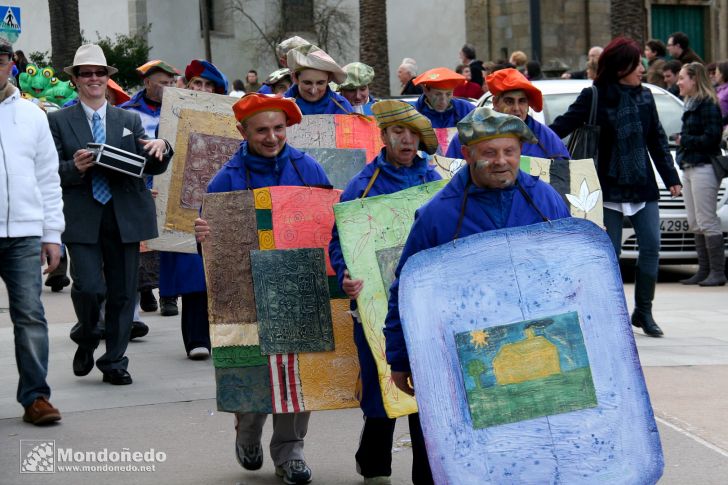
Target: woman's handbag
{"type": "Point", "coordinates": [720, 166]}
{"type": "Point", "coordinates": [584, 142]}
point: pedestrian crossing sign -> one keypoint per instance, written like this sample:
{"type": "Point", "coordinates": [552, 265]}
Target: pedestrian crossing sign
{"type": "Point", "coordinates": [10, 23]}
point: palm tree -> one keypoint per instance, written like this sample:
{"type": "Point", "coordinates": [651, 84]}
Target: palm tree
{"type": "Point", "coordinates": [373, 45]}
{"type": "Point", "coordinates": [65, 32]}
{"type": "Point", "coordinates": [628, 18]}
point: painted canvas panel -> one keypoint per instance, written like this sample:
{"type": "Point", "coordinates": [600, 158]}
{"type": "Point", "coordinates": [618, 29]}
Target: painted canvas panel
{"type": "Point", "coordinates": [209, 120]}
{"type": "Point", "coordinates": [444, 137]}
{"type": "Point", "coordinates": [231, 217]}
{"type": "Point", "coordinates": [328, 379]}
{"type": "Point", "coordinates": [447, 167]}
{"type": "Point", "coordinates": [244, 388]}
{"type": "Point", "coordinates": [475, 284]}
{"type": "Point", "coordinates": [366, 226]}
{"type": "Point", "coordinates": [314, 131]}
{"type": "Point", "coordinates": [303, 217]}
{"type": "Point", "coordinates": [340, 164]}
{"type": "Point", "coordinates": [292, 301]}
{"type": "Point", "coordinates": [575, 180]}
{"type": "Point", "coordinates": [248, 381]}
{"type": "Point", "coordinates": [525, 370]}
{"type": "Point", "coordinates": [206, 154]}
{"type": "Point", "coordinates": [388, 259]}
{"type": "Point", "coordinates": [355, 131]}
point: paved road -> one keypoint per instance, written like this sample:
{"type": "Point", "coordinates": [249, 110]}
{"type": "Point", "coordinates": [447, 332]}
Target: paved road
{"type": "Point", "coordinates": [170, 406]}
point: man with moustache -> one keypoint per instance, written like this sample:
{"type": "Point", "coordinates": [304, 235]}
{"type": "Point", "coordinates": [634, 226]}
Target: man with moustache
{"type": "Point", "coordinates": [490, 193]}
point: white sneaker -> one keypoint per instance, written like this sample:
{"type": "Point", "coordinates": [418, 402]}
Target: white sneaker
{"type": "Point", "coordinates": [199, 353]}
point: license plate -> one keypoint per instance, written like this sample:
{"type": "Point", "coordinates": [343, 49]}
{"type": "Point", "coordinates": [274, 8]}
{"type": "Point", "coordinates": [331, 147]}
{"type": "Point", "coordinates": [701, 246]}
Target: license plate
{"type": "Point", "coordinates": [674, 225]}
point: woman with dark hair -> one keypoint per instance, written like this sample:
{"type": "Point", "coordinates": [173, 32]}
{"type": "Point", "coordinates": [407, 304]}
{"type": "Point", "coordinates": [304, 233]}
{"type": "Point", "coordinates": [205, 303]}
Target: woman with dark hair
{"type": "Point", "coordinates": [630, 133]}
{"type": "Point", "coordinates": [699, 141]}
{"type": "Point", "coordinates": [21, 62]}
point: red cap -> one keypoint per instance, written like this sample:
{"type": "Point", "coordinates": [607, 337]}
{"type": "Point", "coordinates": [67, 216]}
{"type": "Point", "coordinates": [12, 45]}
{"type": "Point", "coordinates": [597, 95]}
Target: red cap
{"type": "Point", "coordinates": [254, 103]}
{"type": "Point", "coordinates": [440, 78]}
{"type": "Point", "coordinates": [511, 80]}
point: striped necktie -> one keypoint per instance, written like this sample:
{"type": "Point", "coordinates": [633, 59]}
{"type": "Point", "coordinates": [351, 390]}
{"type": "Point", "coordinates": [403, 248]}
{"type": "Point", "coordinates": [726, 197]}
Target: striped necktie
{"type": "Point", "coordinates": [99, 183]}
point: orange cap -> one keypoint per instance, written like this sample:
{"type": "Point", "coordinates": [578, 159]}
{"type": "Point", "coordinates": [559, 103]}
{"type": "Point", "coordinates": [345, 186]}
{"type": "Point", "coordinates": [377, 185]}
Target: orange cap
{"type": "Point", "coordinates": [511, 80]}
{"type": "Point", "coordinates": [119, 94]}
{"type": "Point", "coordinates": [253, 103]}
{"type": "Point", "coordinates": [440, 78]}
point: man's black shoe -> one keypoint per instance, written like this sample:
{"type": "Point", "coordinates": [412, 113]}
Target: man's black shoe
{"type": "Point", "coordinates": [117, 377]}
{"type": "Point", "coordinates": [138, 329]}
{"type": "Point", "coordinates": [147, 301]}
{"type": "Point", "coordinates": [83, 361]}
{"type": "Point", "coordinates": [169, 307]}
{"type": "Point", "coordinates": [57, 283]}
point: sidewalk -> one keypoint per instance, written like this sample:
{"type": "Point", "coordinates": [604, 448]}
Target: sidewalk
{"type": "Point", "coordinates": [170, 407]}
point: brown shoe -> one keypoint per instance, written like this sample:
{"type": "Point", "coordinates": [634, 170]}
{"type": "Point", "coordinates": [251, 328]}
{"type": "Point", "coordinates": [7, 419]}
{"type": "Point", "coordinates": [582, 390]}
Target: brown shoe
{"type": "Point", "coordinates": [41, 412]}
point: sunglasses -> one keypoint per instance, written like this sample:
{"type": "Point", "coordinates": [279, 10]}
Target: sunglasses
{"type": "Point", "coordinates": [99, 73]}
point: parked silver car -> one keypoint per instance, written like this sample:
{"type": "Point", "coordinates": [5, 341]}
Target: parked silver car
{"type": "Point", "coordinates": [677, 245]}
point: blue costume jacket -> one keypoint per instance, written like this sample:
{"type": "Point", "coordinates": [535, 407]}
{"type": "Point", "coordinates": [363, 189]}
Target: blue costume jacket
{"type": "Point", "coordinates": [186, 273]}
{"type": "Point", "coordinates": [324, 106]}
{"type": "Point", "coordinates": [267, 172]}
{"type": "Point", "coordinates": [448, 118]}
{"type": "Point", "coordinates": [555, 148]}
{"type": "Point", "coordinates": [366, 108]}
{"type": "Point", "coordinates": [389, 180]}
{"type": "Point", "coordinates": [486, 210]}
{"type": "Point", "coordinates": [265, 89]}
{"type": "Point", "coordinates": [149, 114]}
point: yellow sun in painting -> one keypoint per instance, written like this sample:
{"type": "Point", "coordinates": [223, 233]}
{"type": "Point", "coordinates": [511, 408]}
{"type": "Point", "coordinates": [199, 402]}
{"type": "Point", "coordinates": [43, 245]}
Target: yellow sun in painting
{"type": "Point", "coordinates": [479, 338]}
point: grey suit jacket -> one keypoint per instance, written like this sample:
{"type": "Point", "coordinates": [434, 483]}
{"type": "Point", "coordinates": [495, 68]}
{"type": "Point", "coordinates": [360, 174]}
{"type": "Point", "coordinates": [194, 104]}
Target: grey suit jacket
{"type": "Point", "coordinates": [132, 201]}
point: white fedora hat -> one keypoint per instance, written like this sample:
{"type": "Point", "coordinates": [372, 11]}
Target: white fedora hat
{"type": "Point", "coordinates": [90, 55]}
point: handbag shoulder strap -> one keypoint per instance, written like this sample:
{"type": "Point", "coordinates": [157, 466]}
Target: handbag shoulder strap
{"type": "Point", "coordinates": [593, 111]}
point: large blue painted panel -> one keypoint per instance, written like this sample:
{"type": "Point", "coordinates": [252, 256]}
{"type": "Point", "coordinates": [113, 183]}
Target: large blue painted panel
{"type": "Point", "coordinates": [507, 276]}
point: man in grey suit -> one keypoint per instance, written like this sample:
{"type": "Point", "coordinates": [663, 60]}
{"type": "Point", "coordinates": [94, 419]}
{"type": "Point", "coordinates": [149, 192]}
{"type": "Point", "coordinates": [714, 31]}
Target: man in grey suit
{"type": "Point", "coordinates": [107, 213]}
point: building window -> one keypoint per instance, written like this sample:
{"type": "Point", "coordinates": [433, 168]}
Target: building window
{"type": "Point", "coordinates": [220, 15]}
{"type": "Point", "coordinates": [297, 15]}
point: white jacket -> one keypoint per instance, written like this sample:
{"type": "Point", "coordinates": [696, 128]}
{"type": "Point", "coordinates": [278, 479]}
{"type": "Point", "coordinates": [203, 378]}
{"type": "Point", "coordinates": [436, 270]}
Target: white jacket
{"type": "Point", "coordinates": [31, 202]}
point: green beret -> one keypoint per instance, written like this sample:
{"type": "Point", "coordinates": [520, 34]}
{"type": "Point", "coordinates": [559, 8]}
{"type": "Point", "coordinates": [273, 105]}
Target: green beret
{"type": "Point", "coordinates": [357, 74]}
{"type": "Point", "coordinates": [486, 124]}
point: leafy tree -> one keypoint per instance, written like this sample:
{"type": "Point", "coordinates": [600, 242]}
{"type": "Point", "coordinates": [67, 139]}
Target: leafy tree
{"type": "Point", "coordinates": [476, 367]}
{"type": "Point", "coordinates": [330, 23]}
{"type": "Point", "coordinates": [39, 58]}
{"type": "Point", "coordinates": [126, 53]}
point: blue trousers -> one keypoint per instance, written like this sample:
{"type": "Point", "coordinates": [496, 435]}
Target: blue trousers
{"type": "Point", "coordinates": [20, 270]}
{"type": "Point", "coordinates": [646, 224]}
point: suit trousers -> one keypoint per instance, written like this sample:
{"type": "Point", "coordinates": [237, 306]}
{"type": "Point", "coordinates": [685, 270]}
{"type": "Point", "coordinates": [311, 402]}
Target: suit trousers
{"type": "Point", "coordinates": [105, 271]}
{"type": "Point", "coordinates": [288, 433]}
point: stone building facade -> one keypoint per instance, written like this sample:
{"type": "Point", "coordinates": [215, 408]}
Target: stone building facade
{"type": "Point", "coordinates": [560, 32]}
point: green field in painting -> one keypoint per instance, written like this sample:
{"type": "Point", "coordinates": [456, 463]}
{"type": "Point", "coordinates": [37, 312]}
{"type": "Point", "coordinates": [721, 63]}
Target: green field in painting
{"type": "Point", "coordinates": [510, 403]}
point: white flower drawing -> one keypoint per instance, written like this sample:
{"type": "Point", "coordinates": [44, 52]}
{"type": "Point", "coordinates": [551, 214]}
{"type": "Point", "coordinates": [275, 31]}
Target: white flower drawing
{"type": "Point", "coordinates": [586, 200]}
{"type": "Point", "coordinates": [455, 166]}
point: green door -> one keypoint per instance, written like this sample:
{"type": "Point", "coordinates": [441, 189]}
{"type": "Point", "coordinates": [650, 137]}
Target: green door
{"type": "Point", "coordinates": [667, 19]}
